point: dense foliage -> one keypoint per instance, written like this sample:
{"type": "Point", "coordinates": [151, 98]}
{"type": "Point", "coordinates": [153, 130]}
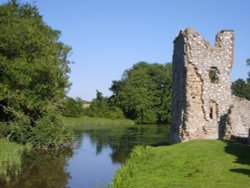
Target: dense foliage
{"type": "Point", "coordinates": [143, 95]}
{"type": "Point", "coordinates": [144, 92]}
{"type": "Point", "coordinates": [241, 88]}
{"type": "Point", "coordinates": [103, 107]}
{"type": "Point", "coordinates": [33, 76]}
{"type": "Point", "coordinates": [73, 107]}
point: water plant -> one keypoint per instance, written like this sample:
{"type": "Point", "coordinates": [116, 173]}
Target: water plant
{"type": "Point", "coordinates": [10, 158]}
{"type": "Point", "coordinates": [85, 123]}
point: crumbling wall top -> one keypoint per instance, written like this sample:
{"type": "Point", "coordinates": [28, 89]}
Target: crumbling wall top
{"type": "Point", "coordinates": [223, 37]}
{"type": "Point", "coordinates": [190, 33]}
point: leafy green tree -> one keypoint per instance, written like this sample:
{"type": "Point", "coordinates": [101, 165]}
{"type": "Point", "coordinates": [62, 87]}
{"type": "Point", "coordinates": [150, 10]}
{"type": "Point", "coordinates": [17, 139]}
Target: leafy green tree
{"type": "Point", "coordinates": [104, 107]}
{"type": "Point", "coordinates": [99, 106]}
{"type": "Point", "coordinates": [241, 88]}
{"type": "Point", "coordinates": [144, 92]}
{"type": "Point", "coordinates": [33, 67]}
{"type": "Point", "coordinates": [73, 107]}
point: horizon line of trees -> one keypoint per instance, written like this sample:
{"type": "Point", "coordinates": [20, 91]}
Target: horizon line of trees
{"type": "Point", "coordinates": [143, 94]}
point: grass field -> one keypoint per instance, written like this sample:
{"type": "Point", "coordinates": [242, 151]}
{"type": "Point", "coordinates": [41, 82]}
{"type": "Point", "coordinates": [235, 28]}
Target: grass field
{"type": "Point", "coordinates": [195, 164]}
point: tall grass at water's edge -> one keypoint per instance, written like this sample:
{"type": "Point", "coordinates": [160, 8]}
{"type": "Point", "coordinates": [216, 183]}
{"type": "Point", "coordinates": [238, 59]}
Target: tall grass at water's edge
{"type": "Point", "coordinates": [10, 156]}
{"type": "Point", "coordinates": [92, 123]}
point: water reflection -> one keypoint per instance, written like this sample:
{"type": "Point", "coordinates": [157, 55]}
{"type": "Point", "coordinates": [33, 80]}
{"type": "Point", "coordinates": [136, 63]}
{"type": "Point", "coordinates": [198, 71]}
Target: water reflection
{"type": "Point", "coordinates": [93, 162]}
{"type": "Point", "coordinates": [122, 141]}
{"type": "Point", "coordinates": [10, 160]}
{"type": "Point", "coordinates": [40, 169]}
{"type": "Point", "coordinates": [89, 168]}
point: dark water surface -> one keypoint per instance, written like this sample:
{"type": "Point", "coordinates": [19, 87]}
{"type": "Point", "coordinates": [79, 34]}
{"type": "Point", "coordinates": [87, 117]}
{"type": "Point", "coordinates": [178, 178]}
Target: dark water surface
{"type": "Point", "coordinates": [93, 162]}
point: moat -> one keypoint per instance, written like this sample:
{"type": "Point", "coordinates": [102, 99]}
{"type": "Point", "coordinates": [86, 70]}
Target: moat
{"type": "Point", "coordinates": [97, 154]}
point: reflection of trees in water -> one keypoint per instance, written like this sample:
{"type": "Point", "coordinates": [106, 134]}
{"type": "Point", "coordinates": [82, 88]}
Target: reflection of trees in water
{"type": "Point", "coordinates": [10, 160]}
{"type": "Point", "coordinates": [120, 156]}
{"type": "Point", "coordinates": [77, 140]}
{"type": "Point", "coordinates": [41, 169]}
{"type": "Point", "coordinates": [123, 140]}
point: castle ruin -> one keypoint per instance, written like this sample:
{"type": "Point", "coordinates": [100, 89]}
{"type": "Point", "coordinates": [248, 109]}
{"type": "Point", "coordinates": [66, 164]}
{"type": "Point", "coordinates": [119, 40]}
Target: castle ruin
{"type": "Point", "coordinates": [203, 106]}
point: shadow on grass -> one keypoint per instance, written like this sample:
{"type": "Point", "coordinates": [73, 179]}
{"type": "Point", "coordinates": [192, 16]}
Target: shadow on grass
{"type": "Point", "coordinates": [241, 170]}
{"type": "Point", "coordinates": [242, 152]}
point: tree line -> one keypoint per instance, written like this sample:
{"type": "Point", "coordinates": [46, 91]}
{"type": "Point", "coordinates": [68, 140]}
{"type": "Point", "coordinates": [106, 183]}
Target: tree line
{"type": "Point", "coordinates": [143, 94]}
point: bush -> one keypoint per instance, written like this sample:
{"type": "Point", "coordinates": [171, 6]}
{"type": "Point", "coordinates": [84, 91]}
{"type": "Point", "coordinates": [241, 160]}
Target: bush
{"type": "Point", "coordinates": [73, 107]}
{"type": "Point", "coordinates": [50, 132]}
{"type": "Point", "coordinates": [47, 132]}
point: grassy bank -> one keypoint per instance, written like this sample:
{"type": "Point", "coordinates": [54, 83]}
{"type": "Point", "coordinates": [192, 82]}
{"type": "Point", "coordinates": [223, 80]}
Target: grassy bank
{"type": "Point", "coordinates": [200, 163]}
{"type": "Point", "coordinates": [91, 123]}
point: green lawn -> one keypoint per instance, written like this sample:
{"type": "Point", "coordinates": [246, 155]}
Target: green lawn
{"type": "Point", "coordinates": [200, 163]}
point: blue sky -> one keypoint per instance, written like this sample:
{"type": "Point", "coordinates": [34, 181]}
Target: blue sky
{"type": "Point", "coordinates": [109, 36]}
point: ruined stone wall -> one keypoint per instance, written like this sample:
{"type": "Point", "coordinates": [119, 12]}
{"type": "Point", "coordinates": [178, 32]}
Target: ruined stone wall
{"type": "Point", "coordinates": [238, 125]}
{"type": "Point", "coordinates": [178, 90]}
{"type": "Point", "coordinates": [201, 85]}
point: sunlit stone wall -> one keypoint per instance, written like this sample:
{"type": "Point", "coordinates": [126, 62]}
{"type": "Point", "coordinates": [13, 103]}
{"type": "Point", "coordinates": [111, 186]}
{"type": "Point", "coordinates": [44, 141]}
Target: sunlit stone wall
{"type": "Point", "coordinates": [202, 99]}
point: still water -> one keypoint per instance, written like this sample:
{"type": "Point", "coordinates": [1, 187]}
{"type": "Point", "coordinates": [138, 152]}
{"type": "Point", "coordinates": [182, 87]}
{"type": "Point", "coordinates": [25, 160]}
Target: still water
{"type": "Point", "coordinates": [92, 163]}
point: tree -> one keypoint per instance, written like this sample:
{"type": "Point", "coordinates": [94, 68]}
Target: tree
{"type": "Point", "coordinates": [99, 106]}
{"type": "Point", "coordinates": [144, 92]}
{"type": "Point", "coordinates": [104, 107]}
{"type": "Point", "coordinates": [241, 88]}
{"type": "Point", "coordinates": [73, 107]}
{"type": "Point", "coordinates": [33, 66]}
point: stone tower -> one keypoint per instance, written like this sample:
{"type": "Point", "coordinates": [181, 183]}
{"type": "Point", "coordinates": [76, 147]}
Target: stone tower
{"type": "Point", "coordinates": [201, 85]}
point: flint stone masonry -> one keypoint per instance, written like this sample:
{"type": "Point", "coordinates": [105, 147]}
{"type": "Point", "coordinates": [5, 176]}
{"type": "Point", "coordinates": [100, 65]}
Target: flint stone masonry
{"type": "Point", "coordinates": [239, 120]}
{"type": "Point", "coordinates": [203, 106]}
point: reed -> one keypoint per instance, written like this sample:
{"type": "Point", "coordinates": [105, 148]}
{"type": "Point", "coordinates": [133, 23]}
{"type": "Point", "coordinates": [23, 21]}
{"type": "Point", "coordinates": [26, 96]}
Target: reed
{"type": "Point", "coordinates": [84, 123]}
{"type": "Point", "coordinates": [10, 158]}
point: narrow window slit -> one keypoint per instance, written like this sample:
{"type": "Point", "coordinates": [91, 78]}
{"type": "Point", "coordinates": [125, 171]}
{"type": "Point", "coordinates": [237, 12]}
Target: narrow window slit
{"type": "Point", "coordinates": [211, 113]}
